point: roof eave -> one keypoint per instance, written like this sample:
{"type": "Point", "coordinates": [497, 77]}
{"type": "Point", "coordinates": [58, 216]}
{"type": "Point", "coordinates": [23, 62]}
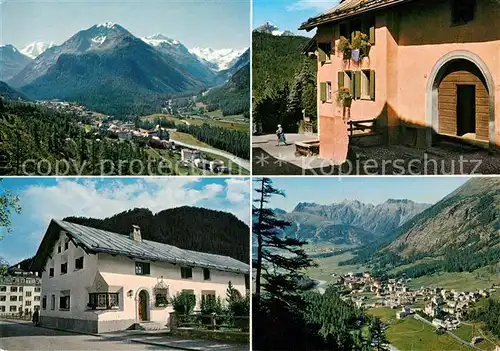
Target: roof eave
{"type": "Point", "coordinates": [332, 17]}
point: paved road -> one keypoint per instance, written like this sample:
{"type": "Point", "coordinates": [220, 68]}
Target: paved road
{"type": "Point", "coordinates": [239, 161]}
{"type": "Point", "coordinates": [15, 336]}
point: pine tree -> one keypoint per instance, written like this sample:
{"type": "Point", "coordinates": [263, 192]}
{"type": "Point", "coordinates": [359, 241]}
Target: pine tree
{"type": "Point", "coordinates": [376, 334]}
{"type": "Point", "coordinates": [280, 276]}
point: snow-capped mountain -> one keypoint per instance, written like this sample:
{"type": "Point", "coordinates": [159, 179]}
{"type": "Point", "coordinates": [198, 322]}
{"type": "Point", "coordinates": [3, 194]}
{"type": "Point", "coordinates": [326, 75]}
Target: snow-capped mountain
{"type": "Point", "coordinates": [220, 59]}
{"type": "Point", "coordinates": [159, 39]}
{"type": "Point", "coordinates": [36, 48]}
{"type": "Point", "coordinates": [12, 61]}
{"type": "Point", "coordinates": [270, 28]}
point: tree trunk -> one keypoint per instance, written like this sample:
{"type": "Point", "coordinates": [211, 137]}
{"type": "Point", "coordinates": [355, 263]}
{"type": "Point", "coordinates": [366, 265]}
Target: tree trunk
{"type": "Point", "coordinates": [259, 248]}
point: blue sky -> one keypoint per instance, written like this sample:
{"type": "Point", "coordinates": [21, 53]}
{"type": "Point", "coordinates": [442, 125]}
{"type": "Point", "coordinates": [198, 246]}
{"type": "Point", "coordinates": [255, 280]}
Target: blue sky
{"type": "Point", "coordinates": [217, 23]}
{"type": "Point", "coordinates": [42, 199]}
{"type": "Point", "coordinates": [288, 14]}
{"type": "Point", "coordinates": [372, 190]}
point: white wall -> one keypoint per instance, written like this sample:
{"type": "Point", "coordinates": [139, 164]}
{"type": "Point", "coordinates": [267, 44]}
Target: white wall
{"type": "Point", "coordinates": [74, 280]}
{"type": "Point", "coordinates": [171, 274]}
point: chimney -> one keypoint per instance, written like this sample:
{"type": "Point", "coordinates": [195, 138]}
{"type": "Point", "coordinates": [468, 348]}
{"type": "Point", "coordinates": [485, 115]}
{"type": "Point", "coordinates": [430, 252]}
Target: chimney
{"type": "Point", "coordinates": [136, 233]}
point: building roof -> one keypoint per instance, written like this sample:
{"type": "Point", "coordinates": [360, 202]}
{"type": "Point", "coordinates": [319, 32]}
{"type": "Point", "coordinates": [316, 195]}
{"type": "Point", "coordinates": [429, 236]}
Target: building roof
{"type": "Point", "coordinates": [93, 240]}
{"type": "Point", "coordinates": [346, 9]}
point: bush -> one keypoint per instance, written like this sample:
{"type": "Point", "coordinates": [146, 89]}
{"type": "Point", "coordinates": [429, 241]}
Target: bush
{"type": "Point", "coordinates": [183, 303]}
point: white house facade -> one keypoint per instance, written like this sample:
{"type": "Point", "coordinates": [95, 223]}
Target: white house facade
{"type": "Point", "coordinates": [19, 291]}
{"type": "Point", "coordinates": [96, 281]}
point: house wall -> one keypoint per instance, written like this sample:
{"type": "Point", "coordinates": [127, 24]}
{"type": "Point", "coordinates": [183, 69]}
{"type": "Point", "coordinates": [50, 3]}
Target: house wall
{"type": "Point", "coordinates": [76, 281]}
{"type": "Point", "coordinates": [410, 39]}
{"type": "Point", "coordinates": [171, 275]}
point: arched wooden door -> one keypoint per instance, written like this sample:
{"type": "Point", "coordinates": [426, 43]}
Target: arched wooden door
{"type": "Point", "coordinates": [463, 102]}
{"type": "Point", "coordinates": [143, 306]}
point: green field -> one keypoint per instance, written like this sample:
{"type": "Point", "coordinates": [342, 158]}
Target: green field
{"type": "Point", "coordinates": [227, 123]}
{"type": "Point", "coordinates": [328, 265]}
{"type": "Point", "coordinates": [411, 334]}
{"type": "Point", "coordinates": [464, 281]}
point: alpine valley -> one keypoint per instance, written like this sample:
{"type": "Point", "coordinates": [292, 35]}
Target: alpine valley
{"type": "Point", "coordinates": [106, 94]}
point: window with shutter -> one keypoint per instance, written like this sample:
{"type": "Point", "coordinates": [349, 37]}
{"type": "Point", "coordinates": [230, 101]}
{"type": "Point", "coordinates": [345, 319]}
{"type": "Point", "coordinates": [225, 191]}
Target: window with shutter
{"type": "Point", "coordinates": [322, 89]}
{"type": "Point", "coordinates": [372, 85]}
{"type": "Point", "coordinates": [340, 80]}
{"type": "Point", "coordinates": [357, 84]}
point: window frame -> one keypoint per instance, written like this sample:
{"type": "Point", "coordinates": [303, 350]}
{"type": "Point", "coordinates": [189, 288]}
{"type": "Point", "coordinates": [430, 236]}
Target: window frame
{"type": "Point", "coordinates": [185, 271]}
{"type": "Point", "coordinates": [76, 263]}
{"type": "Point", "coordinates": [51, 272]}
{"type": "Point", "coordinates": [329, 92]}
{"type": "Point", "coordinates": [205, 275]}
{"type": "Point", "coordinates": [142, 266]}
{"type": "Point", "coordinates": [65, 271]}
{"type": "Point", "coordinates": [365, 79]}
{"type": "Point", "coordinates": [107, 297]}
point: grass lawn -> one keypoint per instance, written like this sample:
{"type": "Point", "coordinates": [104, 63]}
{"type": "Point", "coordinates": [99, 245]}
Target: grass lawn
{"type": "Point", "coordinates": [227, 123]}
{"type": "Point", "coordinates": [328, 265]}
{"type": "Point", "coordinates": [411, 334]}
{"type": "Point", "coordinates": [463, 281]}
{"type": "Point", "coordinates": [189, 139]}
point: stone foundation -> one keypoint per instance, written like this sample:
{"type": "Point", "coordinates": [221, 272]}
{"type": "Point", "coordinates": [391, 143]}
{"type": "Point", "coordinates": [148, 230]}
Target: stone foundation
{"type": "Point", "coordinates": [70, 324]}
{"type": "Point", "coordinates": [114, 325]}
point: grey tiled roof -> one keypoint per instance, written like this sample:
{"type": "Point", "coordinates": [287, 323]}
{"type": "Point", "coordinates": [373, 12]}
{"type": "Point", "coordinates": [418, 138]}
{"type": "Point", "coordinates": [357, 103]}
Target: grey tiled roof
{"type": "Point", "coordinates": [96, 240]}
{"type": "Point", "coordinates": [347, 8]}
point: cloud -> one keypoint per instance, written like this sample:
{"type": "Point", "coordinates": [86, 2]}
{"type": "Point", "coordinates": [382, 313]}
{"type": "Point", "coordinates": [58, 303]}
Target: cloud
{"type": "Point", "coordinates": [238, 190]}
{"type": "Point", "coordinates": [99, 199]}
{"type": "Point", "coordinates": [317, 5]}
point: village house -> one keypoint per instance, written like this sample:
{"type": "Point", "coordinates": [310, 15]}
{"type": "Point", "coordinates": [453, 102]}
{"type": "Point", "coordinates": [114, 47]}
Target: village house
{"type": "Point", "coordinates": [95, 281]}
{"type": "Point", "coordinates": [19, 291]}
{"type": "Point", "coordinates": [419, 70]}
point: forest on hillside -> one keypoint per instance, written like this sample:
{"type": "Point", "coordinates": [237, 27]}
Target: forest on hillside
{"type": "Point", "coordinates": [283, 82]}
{"type": "Point", "coordinates": [190, 228]}
{"type": "Point", "coordinates": [233, 98]}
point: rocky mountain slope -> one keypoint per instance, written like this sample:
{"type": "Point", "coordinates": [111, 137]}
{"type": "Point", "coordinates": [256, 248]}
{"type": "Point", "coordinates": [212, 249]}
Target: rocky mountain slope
{"type": "Point", "coordinates": [35, 49]}
{"type": "Point", "coordinates": [349, 222]}
{"type": "Point", "coordinates": [12, 61]}
{"type": "Point", "coordinates": [469, 216]}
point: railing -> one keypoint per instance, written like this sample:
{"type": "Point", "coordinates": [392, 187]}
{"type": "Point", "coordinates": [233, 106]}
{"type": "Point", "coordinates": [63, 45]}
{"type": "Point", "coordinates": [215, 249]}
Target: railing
{"type": "Point", "coordinates": [368, 124]}
{"type": "Point", "coordinates": [213, 321]}
{"type": "Point", "coordinates": [16, 315]}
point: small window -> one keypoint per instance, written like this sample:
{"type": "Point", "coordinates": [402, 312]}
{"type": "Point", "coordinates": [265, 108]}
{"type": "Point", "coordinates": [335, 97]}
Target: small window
{"type": "Point", "coordinates": [13, 298]}
{"type": "Point", "coordinates": [142, 268]}
{"type": "Point", "coordinates": [103, 301]}
{"type": "Point", "coordinates": [325, 51]}
{"type": "Point", "coordinates": [186, 272]}
{"type": "Point", "coordinates": [20, 289]}
{"type": "Point", "coordinates": [27, 303]}
{"type": "Point", "coordinates": [51, 272]}
{"type": "Point", "coordinates": [344, 30]}
{"type": "Point", "coordinates": [36, 298]}
{"type": "Point", "coordinates": [28, 293]}
{"type": "Point", "coordinates": [2, 308]}
{"type": "Point", "coordinates": [13, 289]}
{"type": "Point", "coordinates": [328, 91]}
{"type": "Point", "coordinates": [13, 308]}
{"type": "Point", "coordinates": [66, 245]}
{"type": "Point", "coordinates": [247, 281]}
{"type": "Point", "coordinates": [64, 301]}
{"type": "Point", "coordinates": [37, 289]}
{"type": "Point", "coordinates": [79, 263]}
{"type": "Point", "coordinates": [207, 295]}
{"type": "Point", "coordinates": [206, 274]}
{"type": "Point", "coordinates": [64, 268]}
{"type": "Point", "coordinates": [53, 302]}
{"type": "Point", "coordinates": [20, 298]}
{"type": "Point", "coordinates": [44, 303]}
{"type": "Point", "coordinates": [365, 84]}
{"type": "Point", "coordinates": [462, 11]}
{"type": "Point", "coordinates": [3, 288]}
{"type": "Point", "coordinates": [59, 248]}
{"type": "Point", "coordinates": [3, 298]}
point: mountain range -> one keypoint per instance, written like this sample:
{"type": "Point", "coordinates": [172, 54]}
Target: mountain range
{"type": "Point", "coordinates": [36, 48]}
{"type": "Point", "coordinates": [12, 61]}
{"type": "Point", "coordinates": [107, 65]}
{"type": "Point", "coordinates": [348, 222]}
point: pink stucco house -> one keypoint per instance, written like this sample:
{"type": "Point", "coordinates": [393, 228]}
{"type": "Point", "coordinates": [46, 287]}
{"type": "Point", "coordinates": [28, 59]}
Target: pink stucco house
{"type": "Point", "coordinates": [427, 69]}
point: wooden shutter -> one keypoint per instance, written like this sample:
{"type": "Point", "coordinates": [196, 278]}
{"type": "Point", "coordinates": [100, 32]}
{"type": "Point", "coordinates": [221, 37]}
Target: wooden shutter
{"type": "Point", "coordinates": [371, 31]}
{"type": "Point", "coordinates": [323, 91]}
{"type": "Point", "coordinates": [351, 88]}
{"type": "Point", "coordinates": [340, 80]}
{"type": "Point", "coordinates": [372, 85]}
{"type": "Point", "coordinates": [357, 84]}
{"type": "Point", "coordinates": [321, 54]}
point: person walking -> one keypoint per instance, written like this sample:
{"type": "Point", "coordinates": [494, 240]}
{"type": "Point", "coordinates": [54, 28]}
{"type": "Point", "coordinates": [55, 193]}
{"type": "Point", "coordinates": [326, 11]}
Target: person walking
{"type": "Point", "coordinates": [281, 136]}
{"type": "Point", "coordinates": [36, 317]}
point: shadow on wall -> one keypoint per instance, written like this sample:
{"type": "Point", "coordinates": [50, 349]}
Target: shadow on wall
{"type": "Point", "coordinates": [429, 22]}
